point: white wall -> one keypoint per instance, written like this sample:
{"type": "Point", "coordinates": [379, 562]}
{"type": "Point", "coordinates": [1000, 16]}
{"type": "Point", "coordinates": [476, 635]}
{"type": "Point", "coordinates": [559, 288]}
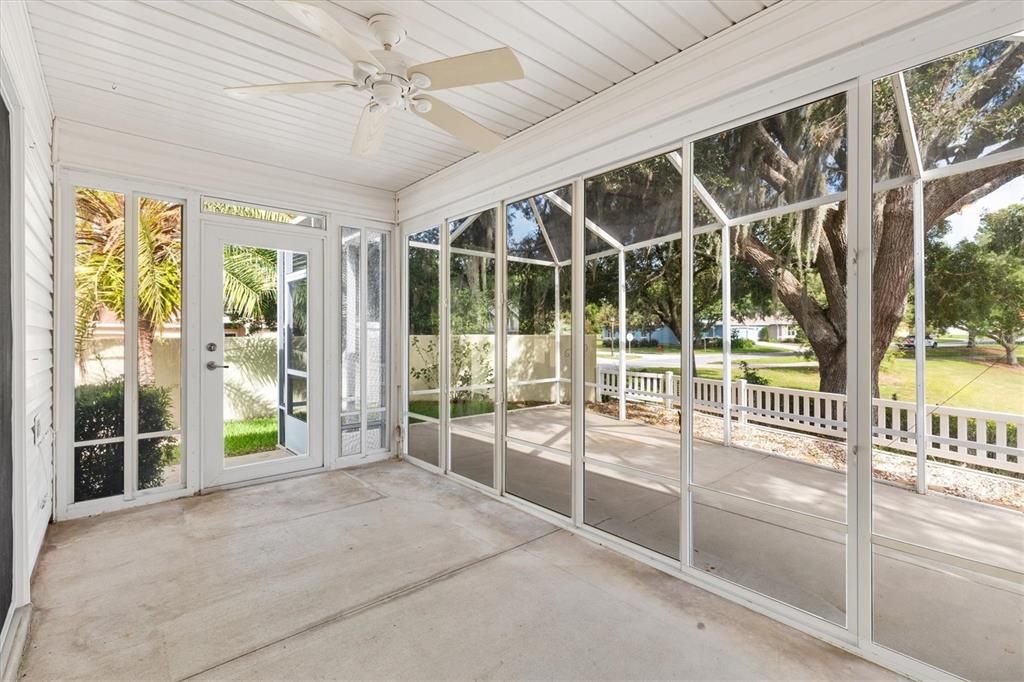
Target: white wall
{"type": "Point", "coordinates": [790, 50]}
{"type": "Point", "coordinates": [33, 150]}
{"type": "Point", "coordinates": [81, 146]}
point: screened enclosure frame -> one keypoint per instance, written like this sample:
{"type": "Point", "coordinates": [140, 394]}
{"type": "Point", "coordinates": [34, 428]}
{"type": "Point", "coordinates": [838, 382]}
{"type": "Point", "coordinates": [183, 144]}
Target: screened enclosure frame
{"type": "Point", "coordinates": [64, 303]}
{"type": "Point", "coordinates": [321, 224]}
{"type": "Point", "coordinates": [857, 195]}
{"type": "Point", "coordinates": [385, 312]}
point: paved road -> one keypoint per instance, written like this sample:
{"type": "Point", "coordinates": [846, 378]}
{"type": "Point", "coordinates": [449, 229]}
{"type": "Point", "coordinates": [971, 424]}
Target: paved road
{"type": "Point", "coordinates": [671, 360]}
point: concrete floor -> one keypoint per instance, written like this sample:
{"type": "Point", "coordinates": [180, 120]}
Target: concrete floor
{"type": "Point", "coordinates": [951, 617]}
{"type": "Point", "coordinates": [385, 571]}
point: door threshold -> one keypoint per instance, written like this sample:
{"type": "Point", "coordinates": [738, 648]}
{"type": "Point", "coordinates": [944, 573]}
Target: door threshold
{"type": "Point", "coordinates": [263, 479]}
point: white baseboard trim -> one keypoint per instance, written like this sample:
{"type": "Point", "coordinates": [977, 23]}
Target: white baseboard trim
{"type": "Point", "coordinates": [13, 646]}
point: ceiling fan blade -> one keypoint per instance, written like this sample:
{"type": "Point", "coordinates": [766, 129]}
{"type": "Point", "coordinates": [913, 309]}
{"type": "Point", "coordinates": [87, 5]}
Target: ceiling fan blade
{"type": "Point", "coordinates": [317, 20]}
{"type": "Point", "coordinates": [370, 130]}
{"type": "Point", "coordinates": [489, 66]}
{"type": "Point", "coordinates": [288, 88]}
{"type": "Point", "coordinates": [457, 124]}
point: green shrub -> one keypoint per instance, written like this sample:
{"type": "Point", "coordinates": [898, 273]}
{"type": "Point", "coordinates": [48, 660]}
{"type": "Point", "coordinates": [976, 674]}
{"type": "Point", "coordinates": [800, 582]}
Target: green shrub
{"type": "Point", "coordinates": [99, 413]}
{"type": "Point", "coordinates": [743, 344]}
{"type": "Point", "coordinates": [751, 375]}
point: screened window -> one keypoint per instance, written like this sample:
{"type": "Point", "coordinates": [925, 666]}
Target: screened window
{"type": "Point", "coordinates": [128, 399]}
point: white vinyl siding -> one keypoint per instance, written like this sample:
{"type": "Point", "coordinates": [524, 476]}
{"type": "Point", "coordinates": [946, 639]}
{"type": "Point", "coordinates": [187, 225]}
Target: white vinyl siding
{"type": "Point", "coordinates": [20, 54]}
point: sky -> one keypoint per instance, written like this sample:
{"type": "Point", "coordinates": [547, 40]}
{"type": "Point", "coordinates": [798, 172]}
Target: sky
{"type": "Point", "coordinates": [968, 220]}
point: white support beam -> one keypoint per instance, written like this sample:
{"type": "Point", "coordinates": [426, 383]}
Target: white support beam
{"type": "Point", "coordinates": [686, 358]}
{"type": "Point", "coordinates": [709, 201]}
{"type": "Point", "coordinates": [591, 225]}
{"type": "Point", "coordinates": [463, 227]}
{"type": "Point", "coordinates": [558, 336]}
{"type": "Point", "coordinates": [899, 90]}
{"type": "Point", "coordinates": [726, 256]}
{"type": "Point", "coordinates": [988, 161]}
{"type": "Point", "coordinates": [676, 159]}
{"type": "Point", "coordinates": [543, 229]}
{"type": "Point", "coordinates": [622, 336]}
{"type": "Point", "coordinates": [788, 208]}
{"type": "Point", "coordinates": [579, 368]}
{"type": "Point", "coordinates": [929, 174]}
{"type": "Point", "coordinates": [922, 418]}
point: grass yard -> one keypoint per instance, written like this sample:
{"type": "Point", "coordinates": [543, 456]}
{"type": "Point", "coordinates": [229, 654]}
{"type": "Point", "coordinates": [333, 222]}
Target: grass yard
{"type": "Point", "coordinates": [959, 377]}
{"type": "Point", "coordinates": [249, 436]}
{"type": "Point", "coordinates": [462, 408]}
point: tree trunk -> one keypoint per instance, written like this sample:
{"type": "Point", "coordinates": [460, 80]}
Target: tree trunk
{"type": "Point", "coordinates": [1010, 348]}
{"type": "Point", "coordinates": [832, 371]}
{"type": "Point", "coordinates": [893, 245]}
{"type": "Point", "coordinates": [972, 339]}
{"type": "Point", "coordinates": [147, 370]}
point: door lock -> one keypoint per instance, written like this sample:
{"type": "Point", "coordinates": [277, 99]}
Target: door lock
{"type": "Point", "coordinates": [211, 347]}
{"type": "Point", "coordinates": [211, 365]}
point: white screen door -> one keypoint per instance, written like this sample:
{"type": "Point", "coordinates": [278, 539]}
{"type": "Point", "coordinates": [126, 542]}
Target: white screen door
{"type": "Point", "coordinates": [262, 353]}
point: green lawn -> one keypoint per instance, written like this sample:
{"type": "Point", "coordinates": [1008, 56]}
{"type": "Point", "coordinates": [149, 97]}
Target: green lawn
{"type": "Point", "coordinates": [773, 359]}
{"type": "Point", "coordinates": [462, 408]}
{"type": "Point", "coordinates": [957, 377]}
{"type": "Point", "coordinates": [249, 436]}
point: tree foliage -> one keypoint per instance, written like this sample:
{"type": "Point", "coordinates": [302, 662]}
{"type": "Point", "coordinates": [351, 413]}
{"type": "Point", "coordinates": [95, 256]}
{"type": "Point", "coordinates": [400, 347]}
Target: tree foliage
{"type": "Point", "coordinates": [250, 274]}
{"type": "Point", "coordinates": [978, 285]}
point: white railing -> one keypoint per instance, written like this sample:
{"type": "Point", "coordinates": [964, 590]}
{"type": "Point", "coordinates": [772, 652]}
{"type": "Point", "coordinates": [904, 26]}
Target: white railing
{"type": "Point", "coordinates": [989, 439]}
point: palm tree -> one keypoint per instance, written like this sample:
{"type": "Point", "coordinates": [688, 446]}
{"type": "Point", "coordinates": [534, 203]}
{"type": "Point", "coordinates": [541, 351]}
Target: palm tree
{"type": "Point", "coordinates": [250, 275]}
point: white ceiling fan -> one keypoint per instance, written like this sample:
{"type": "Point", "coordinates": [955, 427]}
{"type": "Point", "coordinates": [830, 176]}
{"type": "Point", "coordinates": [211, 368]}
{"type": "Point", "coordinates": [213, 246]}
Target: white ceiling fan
{"type": "Point", "coordinates": [393, 82]}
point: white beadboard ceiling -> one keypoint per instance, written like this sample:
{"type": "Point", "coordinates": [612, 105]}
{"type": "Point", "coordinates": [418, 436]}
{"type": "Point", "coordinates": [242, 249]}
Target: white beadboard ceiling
{"type": "Point", "coordinates": [156, 68]}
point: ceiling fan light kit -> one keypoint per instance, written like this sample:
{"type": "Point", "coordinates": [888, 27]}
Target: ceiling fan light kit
{"type": "Point", "coordinates": [393, 82]}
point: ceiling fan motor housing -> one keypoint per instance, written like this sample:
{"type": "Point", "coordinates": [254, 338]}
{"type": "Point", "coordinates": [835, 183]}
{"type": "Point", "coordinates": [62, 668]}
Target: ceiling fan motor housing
{"type": "Point", "coordinates": [388, 30]}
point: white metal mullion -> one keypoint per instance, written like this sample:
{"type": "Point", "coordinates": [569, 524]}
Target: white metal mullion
{"type": "Point", "coordinates": [604, 235]}
{"type": "Point", "coordinates": [131, 344]}
{"type": "Point", "coordinates": [577, 387]}
{"type": "Point", "coordinates": [726, 266]}
{"type": "Point", "coordinates": [994, 159]}
{"type": "Point", "coordinates": [899, 88]}
{"type": "Point", "coordinates": [500, 350]}
{"type": "Point", "coordinates": [444, 359]}
{"type": "Point", "coordinates": [402, 296]}
{"type": "Point", "coordinates": [594, 227]}
{"type": "Point", "coordinates": [921, 412]}
{"type": "Point", "coordinates": [859, 140]}
{"type": "Point", "coordinates": [706, 229]}
{"type": "Point", "coordinates": [622, 335]}
{"type": "Point", "coordinates": [364, 323]}
{"type": "Point", "coordinates": [464, 226]}
{"type": "Point", "coordinates": [543, 229]}
{"type": "Point", "coordinates": [709, 201]}
{"type": "Point", "coordinates": [676, 159]}
{"type": "Point", "coordinates": [387, 330]}
{"type": "Point", "coordinates": [558, 335]}
{"type": "Point", "coordinates": [601, 254]}
{"type": "Point", "coordinates": [785, 209]}
{"type": "Point", "coordinates": [636, 246]}
{"type": "Point", "coordinates": [333, 284]}
{"type": "Point", "coordinates": [858, 469]}
{"type": "Point", "coordinates": [530, 261]}
{"type": "Point", "coordinates": [686, 359]}
{"type": "Point", "coordinates": [470, 252]}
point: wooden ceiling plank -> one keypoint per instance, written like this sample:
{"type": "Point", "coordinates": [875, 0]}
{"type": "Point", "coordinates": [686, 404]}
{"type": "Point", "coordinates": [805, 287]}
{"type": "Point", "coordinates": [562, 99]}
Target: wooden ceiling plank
{"type": "Point", "coordinates": [574, 16]}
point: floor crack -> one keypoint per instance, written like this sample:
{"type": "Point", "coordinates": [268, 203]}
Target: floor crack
{"type": "Point", "coordinates": [386, 598]}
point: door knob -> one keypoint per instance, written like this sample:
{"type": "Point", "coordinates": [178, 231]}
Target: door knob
{"type": "Point", "coordinates": [211, 365]}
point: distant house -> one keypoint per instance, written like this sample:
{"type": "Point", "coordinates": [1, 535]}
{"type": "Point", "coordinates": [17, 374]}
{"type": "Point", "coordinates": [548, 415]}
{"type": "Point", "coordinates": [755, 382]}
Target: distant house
{"type": "Point", "coordinates": [772, 328]}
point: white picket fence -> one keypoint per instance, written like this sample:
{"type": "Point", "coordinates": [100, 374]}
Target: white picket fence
{"type": "Point", "coordinates": [989, 439]}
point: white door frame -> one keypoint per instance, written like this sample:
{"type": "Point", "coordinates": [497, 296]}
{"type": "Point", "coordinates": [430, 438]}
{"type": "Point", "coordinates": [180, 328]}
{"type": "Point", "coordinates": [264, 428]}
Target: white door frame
{"type": "Point", "coordinates": [215, 234]}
